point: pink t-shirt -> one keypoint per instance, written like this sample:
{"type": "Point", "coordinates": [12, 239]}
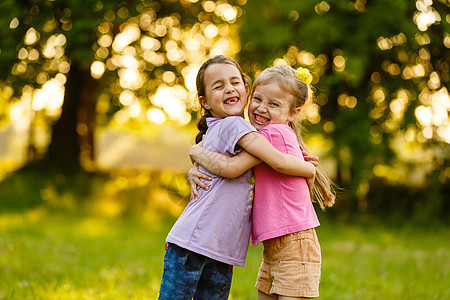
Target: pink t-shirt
{"type": "Point", "coordinates": [282, 203]}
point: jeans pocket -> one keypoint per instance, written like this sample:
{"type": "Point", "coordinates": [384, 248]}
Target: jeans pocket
{"type": "Point", "coordinates": [193, 261]}
{"type": "Point", "coordinates": [224, 269]}
{"type": "Point", "coordinates": [175, 255]}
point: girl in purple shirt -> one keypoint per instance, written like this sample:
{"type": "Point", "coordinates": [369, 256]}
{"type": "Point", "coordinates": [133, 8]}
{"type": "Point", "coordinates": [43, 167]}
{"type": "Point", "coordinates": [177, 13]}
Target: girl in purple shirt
{"type": "Point", "coordinates": [283, 214]}
{"type": "Point", "coordinates": [212, 233]}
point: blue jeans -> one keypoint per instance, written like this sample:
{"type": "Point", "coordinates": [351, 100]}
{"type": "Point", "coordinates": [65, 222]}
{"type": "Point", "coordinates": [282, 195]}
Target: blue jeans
{"type": "Point", "coordinates": [190, 275]}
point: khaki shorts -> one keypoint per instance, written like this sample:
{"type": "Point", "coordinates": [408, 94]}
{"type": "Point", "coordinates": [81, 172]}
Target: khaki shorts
{"type": "Point", "coordinates": [291, 265]}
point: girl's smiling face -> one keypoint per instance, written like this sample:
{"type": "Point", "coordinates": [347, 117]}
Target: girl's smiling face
{"type": "Point", "coordinates": [270, 104]}
{"type": "Point", "coordinates": [226, 94]}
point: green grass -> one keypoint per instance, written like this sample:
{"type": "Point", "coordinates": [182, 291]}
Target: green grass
{"type": "Point", "coordinates": [70, 256]}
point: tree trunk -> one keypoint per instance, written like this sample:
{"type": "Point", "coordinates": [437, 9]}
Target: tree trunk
{"type": "Point", "coordinates": [86, 121]}
{"type": "Point", "coordinates": [69, 135]}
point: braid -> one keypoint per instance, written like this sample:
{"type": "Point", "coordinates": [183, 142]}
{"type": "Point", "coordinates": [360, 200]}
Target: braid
{"type": "Point", "coordinates": [202, 126]}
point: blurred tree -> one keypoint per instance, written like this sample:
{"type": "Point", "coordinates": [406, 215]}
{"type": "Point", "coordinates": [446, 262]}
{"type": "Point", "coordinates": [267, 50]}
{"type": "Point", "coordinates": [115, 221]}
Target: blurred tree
{"type": "Point", "coordinates": [381, 72]}
{"type": "Point", "coordinates": [120, 52]}
{"type": "Point", "coordinates": [45, 39]}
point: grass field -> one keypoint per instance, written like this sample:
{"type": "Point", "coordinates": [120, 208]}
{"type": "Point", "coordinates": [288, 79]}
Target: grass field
{"type": "Point", "coordinates": [70, 256]}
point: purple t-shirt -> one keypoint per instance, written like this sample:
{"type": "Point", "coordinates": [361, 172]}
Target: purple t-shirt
{"type": "Point", "coordinates": [218, 224]}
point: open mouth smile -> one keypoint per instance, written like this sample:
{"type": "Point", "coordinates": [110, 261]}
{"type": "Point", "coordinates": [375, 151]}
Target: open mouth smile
{"type": "Point", "coordinates": [260, 119]}
{"type": "Point", "coordinates": [231, 100]}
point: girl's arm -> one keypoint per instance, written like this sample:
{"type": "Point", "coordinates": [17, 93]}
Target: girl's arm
{"type": "Point", "coordinates": [259, 146]}
{"type": "Point", "coordinates": [222, 165]}
{"type": "Point", "coordinates": [231, 167]}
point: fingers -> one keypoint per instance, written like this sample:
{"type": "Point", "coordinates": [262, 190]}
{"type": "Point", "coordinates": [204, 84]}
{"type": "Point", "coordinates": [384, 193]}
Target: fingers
{"type": "Point", "coordinates": [314, 163]}
{"type": "Point", "coordinates": [309, 157]}
{"type": "Point", "coordinates": [203, 176]}
{"type": "Point", "coordinates": [201, 184]}
{"type": "Point", "coordinates": [194, 191]}
{"type": "Point", "coordinates": [196, 182]}
{"type": "Point", "coordinates": [195, 172]}
{"type": "Point", "coordinates": [194, 176]}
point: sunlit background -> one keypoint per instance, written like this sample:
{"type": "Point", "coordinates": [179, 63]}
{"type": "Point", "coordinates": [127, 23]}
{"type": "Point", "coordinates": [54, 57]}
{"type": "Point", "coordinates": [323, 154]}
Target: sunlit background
{"type": "Point", "coordinates": [133, 49]}
{"type": "Point", "coordinates": [98, 110]}
{"type": "Point", "coordinates": [140, 109]}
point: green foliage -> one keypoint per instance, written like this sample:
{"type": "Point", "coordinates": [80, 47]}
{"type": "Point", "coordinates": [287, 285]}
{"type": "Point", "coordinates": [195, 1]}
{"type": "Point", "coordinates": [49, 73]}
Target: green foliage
{"type": "Point", "coordinates": [29, 188]}
{"type": "Point", "coordinates": [9, 38]}
{"type": "Point", "coordinates": [377, 40]}
{"type": "Point", "coordinates": [354, 31]}
{"type": "Point", "coordinates": [77, 20]}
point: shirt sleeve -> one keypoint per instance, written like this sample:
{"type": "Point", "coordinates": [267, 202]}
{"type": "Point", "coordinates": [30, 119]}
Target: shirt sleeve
{"type": "Point", "coordinates": [232, 130]}
{"type": "Point", "coordinates": [275, 137]}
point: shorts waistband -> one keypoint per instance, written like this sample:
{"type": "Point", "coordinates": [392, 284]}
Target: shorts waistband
{"type": "Point", "coordinates": [304, 234]}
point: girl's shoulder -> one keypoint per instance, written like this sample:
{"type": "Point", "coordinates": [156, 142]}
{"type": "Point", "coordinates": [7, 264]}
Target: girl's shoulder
{"type": "Point", "coordinates": [231, 122]}
{"type": "Point", "coordinates": [224, 134]}
{"type": "Point", "coordinates": [276, 129]}
{"type": "Point", "coordinates": [235, 120]}
{"type": "Point", "coordinates": [278, 134]}
{"type": "Point", "coordinates": [226, 120]}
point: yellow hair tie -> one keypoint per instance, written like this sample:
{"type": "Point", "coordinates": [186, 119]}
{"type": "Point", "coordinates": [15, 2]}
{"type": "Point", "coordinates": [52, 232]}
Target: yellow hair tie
{"type": "Point", "coordinates": [304, 75]}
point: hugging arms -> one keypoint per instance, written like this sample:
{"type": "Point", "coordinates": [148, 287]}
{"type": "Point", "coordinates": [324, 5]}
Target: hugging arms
{"type": "Point", "coordinates": [234, 166]}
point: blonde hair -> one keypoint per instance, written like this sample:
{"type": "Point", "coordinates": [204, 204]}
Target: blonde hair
{"type": "Point", "coordinates": [324, 189]}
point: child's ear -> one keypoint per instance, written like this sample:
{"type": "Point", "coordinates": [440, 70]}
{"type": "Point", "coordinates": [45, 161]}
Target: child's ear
{"type": "Point", "coordinates": [203, 102]}
{"type": "Point", "coordinates": [293, 114]}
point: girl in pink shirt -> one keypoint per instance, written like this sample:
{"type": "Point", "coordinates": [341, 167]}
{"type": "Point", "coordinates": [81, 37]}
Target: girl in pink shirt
{"type": "Point", "coordinates": [283, 215]}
